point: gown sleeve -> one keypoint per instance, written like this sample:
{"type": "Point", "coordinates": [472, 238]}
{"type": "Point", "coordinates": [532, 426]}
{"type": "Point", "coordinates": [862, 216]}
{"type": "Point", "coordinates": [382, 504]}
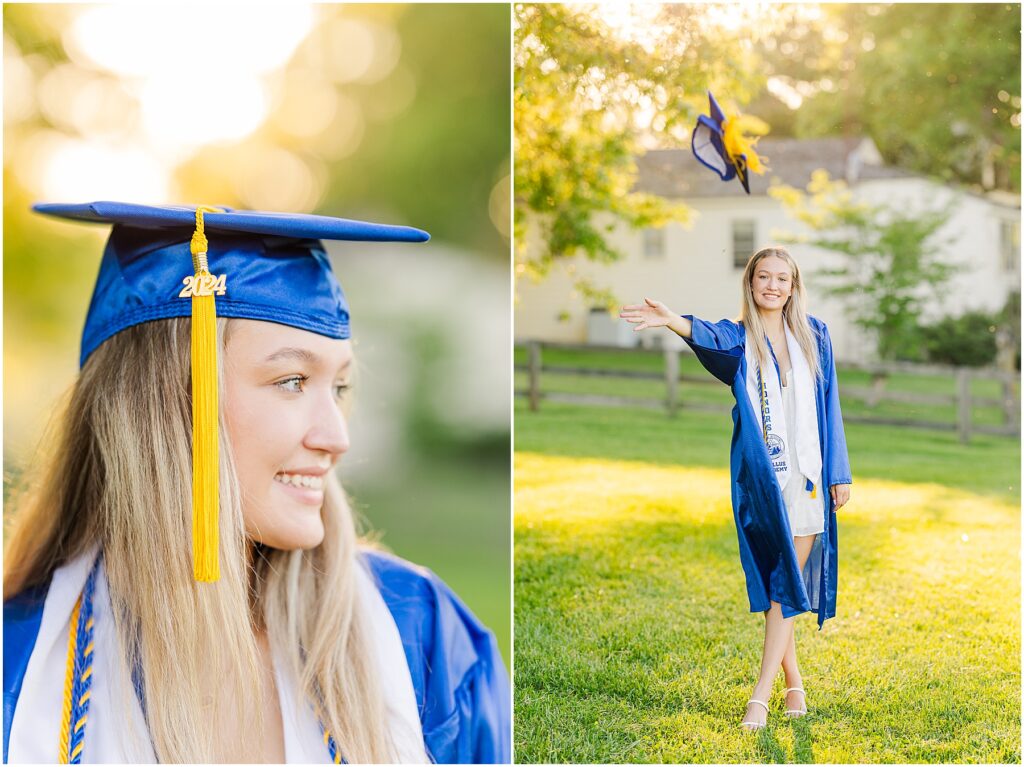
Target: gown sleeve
{"type": "Point", "coordinates": [462, 687]}
{"type": "Point", "coordinates": [839, 460]}
{"type": "Point", "coordinates": [718, 346]}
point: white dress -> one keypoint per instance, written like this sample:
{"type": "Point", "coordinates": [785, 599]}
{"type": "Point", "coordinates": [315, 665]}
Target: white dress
{"type": "Point", "coordinates": [806, 514]}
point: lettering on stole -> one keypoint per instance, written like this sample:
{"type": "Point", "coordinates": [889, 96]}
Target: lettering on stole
{"type": "Point", "coordinates": [776, 447]}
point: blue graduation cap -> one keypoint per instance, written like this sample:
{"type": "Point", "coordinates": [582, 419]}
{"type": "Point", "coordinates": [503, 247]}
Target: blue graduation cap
{"type": "Point", "coordinates": [719, 144]}
{"type": "Point", "coordinates": [273, 265]}
{"type": "Point", "coordinates": [179, 261]}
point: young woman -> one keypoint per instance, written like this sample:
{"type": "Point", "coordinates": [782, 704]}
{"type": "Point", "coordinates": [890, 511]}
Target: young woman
{"type": "Point", "coordinates": [787, 448]}
{"type": "Point", "coordinates": [286, 639]}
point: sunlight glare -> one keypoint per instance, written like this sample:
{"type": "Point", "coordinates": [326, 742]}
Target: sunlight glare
{"type": "Point", "coordinates": [196, 69]}
{"type": "Point", "coordinates": [79, 170]}
{"type": "Point", "coordinates": [208, 43]}
{"type": "Point", "coordinates": [176, 114]}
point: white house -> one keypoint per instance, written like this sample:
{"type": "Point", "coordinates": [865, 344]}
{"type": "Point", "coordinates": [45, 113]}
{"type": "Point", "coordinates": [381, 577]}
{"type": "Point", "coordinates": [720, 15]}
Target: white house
{"type": "Point", "coordinates": [696, 270]}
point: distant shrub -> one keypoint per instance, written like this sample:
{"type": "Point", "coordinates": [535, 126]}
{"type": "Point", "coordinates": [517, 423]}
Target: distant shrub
{"type": "Point", "coordinates": [969, 339]}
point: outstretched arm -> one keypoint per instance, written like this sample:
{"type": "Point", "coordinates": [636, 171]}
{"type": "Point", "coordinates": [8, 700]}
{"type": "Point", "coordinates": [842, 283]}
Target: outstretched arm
{"type": "Point", "coordinates": [654, 314]}
{"type": "Point", "coordinates": [718, 346]}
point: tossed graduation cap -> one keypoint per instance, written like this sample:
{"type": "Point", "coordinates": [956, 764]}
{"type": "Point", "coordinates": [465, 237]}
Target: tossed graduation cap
{"type": "Point", "coordinates": [198, 262]}
{"type": "Point", "coordinates": [719, 143]}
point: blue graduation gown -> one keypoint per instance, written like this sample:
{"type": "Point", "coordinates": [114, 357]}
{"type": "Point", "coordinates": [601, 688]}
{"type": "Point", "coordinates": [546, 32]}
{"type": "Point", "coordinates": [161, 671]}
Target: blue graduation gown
{"type": "Point", "coordinates": [461, 685]}
{"type": "Point", "coordinates": [767, 553]}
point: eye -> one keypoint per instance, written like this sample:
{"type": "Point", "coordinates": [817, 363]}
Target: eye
{"type": "Point", "coordinates": [293, 385]}
{"type": "Point", "coordinates": [340, 390]}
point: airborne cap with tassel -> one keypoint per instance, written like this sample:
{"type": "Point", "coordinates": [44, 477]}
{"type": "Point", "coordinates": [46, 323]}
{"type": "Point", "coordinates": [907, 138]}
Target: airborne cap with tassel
{"type": "Point", "coordinates": [201, 262]}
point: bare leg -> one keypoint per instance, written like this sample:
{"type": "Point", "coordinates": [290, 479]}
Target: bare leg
{"type": "Point", "coordinates": [777, 634]}
{"type": "Point", "coordinates": [779, 642]}
{"type": "Point", "coordinates": [795, 700]}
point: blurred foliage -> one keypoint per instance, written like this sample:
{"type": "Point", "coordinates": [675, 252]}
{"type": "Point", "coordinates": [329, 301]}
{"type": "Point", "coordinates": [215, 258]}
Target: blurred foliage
{"type": "Point", "coordinates": [976, 338]}
{"type": "Point", "coordinates": [935, 85]}
{"type": "Point", "coordinates": [893, 258]}
{"type": "Point", "coordinates": [439, 163]}
{"type": "Point", "coordinates": [969, 339]}
{"type": "Point", "coordinates": [583, 97]}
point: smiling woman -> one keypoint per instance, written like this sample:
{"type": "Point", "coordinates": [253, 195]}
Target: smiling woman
{"type": "Point", "coordinates": [790, 468]}
{"type": "Point", "coordinates": [280, 636]}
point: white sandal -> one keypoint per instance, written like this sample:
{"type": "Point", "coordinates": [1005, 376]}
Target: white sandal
{"type": "Point", "coordinates": [755, 726]}
{"type": "Point", "coordinates": [796, 713]}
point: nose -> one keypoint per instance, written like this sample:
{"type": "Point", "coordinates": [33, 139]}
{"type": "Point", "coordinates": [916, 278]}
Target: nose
{"type": "Point", "coordinates": [328, 430]}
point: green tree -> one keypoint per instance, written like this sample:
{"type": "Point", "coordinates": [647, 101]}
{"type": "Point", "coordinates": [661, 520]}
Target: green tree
{"type": "Point", "coordinates": [936, 86]}
{"type": "Point", "coordinates": [585, 98]}
{"type": "Point", "coordinates": [893, 261]}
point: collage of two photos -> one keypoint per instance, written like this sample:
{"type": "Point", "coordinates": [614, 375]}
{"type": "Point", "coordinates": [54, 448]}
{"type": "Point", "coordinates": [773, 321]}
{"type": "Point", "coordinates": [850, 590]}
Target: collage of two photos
{"type": "Point", "coordinates": [767, 383]}
{"type": "Point", "coordinates": [512, 383]}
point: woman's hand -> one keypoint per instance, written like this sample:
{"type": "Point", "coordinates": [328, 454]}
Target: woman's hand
{"type": "Point", "coordinates": [650, 314]}
{"type": "Point", "coordinates": [840, 495]}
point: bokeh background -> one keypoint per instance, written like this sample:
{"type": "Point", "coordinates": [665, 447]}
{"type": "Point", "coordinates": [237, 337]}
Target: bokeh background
{"type": "Point", "coordinates": [385, 112]}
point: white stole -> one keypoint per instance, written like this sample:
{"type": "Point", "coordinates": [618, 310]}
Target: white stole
{"type": "Point", "coordinates": [113, 738]}
{"type": "Point", "coordinates": [767, 404]}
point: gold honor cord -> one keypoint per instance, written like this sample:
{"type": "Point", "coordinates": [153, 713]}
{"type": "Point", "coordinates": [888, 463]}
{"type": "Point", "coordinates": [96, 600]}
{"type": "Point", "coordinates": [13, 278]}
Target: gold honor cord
{"type": "Point", "coordinates": [63, 752]}
{"type": "Point", "coordinates": [205, 407]}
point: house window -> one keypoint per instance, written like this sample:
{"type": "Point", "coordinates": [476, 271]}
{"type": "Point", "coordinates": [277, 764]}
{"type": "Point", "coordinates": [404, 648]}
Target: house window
{"type": "Point", "coordinates": [1009, 245]}
{"type": "Point", "coordinates": [654, 243]}
{"type": "Point", "coordinates": [744, 235]}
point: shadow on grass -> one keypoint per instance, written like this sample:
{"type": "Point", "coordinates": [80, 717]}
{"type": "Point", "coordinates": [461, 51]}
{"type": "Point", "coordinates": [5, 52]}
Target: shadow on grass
{"type": "Point", "coordinates": [803, 750]}
{"type": "Point", "coordinates": [769, 748]}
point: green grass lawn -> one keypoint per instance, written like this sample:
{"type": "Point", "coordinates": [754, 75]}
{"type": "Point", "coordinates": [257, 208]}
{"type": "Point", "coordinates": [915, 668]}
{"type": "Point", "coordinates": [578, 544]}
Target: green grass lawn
{"type": "Point", "coordinates": [633, 640]}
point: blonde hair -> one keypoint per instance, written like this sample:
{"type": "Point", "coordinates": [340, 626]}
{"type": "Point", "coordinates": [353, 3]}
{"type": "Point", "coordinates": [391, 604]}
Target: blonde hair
{"type": "Point", "coordinates": [794, 313]}
{"type": "Point", "coordinates": [118, 477]}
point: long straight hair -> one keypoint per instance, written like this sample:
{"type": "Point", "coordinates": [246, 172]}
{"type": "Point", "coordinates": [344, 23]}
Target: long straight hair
{"type": "Point", "coordinates": [794, 313]}
{"type": "Point", "coordinates": [118, 477]}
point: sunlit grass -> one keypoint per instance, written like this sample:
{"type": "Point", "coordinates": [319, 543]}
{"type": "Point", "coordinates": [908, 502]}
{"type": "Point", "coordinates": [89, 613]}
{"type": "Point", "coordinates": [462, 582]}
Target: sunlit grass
{"type": "Point", "coordinates": [634, 642]}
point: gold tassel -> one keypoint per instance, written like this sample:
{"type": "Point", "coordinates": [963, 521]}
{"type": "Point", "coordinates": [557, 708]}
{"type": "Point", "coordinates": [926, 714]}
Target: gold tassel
{"type": "Point", "coordinates": [737, 143]}
{"type": "Point", "coordinates": [205, 410]}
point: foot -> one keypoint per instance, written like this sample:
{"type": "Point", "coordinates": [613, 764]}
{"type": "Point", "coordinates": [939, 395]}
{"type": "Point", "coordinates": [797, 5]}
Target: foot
{"type": "Point", "coordinates": [756, 717]}
{"type": "Point", "coordinates": [796, 702]}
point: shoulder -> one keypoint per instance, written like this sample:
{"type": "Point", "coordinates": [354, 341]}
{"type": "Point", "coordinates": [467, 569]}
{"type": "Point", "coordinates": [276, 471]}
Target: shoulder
{"type": "Point", "coordinates": [818, 324]}
{"type": "Point", "coordinates": [454, 660]}
{"type": "Point", "coordinates": [819, 327]}
{"type": "Point", "coordinates": [430, 616]}
{"type": "Point", "coordinates": [23, 615]}
{"type": "Point", "coordinates": [411, 588]}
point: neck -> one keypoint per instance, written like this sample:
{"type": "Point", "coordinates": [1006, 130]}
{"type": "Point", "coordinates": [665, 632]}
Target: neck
{"type": "Point", "coordinates": [772, 319]}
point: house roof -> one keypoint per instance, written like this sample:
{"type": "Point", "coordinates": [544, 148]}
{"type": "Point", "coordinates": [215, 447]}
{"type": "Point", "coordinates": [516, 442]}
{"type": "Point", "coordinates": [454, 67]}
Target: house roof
{"type": "Point", "coordinates": [676, 172]}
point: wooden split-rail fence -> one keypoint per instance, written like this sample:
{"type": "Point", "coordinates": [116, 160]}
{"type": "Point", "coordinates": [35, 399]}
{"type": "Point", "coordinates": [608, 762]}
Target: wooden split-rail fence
{"type": "Point", "coordinates": [872, 395]}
